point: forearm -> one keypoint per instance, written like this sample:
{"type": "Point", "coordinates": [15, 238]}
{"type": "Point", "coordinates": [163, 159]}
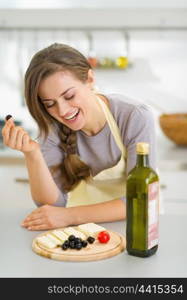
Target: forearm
{"type": "Point", "coordinates": [42, 186]}
{"type": "Point", "coordinates": [110, 211]}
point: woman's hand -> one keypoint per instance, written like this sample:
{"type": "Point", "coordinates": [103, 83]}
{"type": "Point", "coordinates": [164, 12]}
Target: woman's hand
{"type": "Point", "coordinates": [47, 217]}
{"type": "Point", "coordinates": [17, 138]}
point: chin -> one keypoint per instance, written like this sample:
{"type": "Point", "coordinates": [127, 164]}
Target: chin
{"type": "Point", "coordinates": [75, 127]}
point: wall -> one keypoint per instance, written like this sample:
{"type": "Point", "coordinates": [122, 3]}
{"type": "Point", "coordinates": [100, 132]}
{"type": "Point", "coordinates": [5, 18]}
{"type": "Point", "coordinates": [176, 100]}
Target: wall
{"type": "Point", "coordinates": [92, 3]}
{"type": "Point", "coordinates": [95, 18]}
{"type": "Point", "coordinates": [157, 49]}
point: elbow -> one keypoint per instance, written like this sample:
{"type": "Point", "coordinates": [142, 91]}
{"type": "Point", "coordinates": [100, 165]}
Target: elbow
{"type": "Point", "coordinates": [59, 199]}
{"type": "Point", "coordinates": [40, 202]}
{"type": "Point", "coordinates": [43, 199]}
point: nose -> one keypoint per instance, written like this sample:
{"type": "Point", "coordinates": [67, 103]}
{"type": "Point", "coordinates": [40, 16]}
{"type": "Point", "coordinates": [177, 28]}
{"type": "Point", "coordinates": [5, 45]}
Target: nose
{"type": "Point", "coordinates": [63, 107]}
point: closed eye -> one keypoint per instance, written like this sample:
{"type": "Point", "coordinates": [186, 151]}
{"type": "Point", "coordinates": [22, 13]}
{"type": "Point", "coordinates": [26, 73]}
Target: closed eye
{"type": "Point", "coordinates": [49, 104]}
{"type": "Point", "coordinates": [69, 98]}
{"type": "Point", "coordinates": [52, 104]}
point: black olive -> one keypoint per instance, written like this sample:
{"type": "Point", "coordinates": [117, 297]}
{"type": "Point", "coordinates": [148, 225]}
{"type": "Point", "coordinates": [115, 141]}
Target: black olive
{"type": "Point", "coordinates": [90, 240]}
{"type": "Point", "coordinates": [84, 243]}
{"type": "Point", "coordinates": [66, 243]}
{"type": "Point", "coordinates": [72, 244]}
{"type": "Point", "coordinates": [78, 240]}
{"type": "Point", "coordinates": [71, 238]}
{"type": "Point", "coordinates": [8, 117]}
{"type": "Point", "coordinates": [64, 247]}
{"type": "Point", "coordinates": [78, 246]}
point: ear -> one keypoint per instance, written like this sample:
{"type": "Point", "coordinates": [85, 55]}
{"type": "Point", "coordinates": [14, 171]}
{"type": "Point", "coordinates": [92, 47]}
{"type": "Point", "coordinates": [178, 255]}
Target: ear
{"type": "Point", "coordinates": [91, 79]}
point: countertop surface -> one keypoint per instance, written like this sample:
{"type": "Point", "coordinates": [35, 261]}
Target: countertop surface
{"type": "Point", "coordinates": [18, 260]}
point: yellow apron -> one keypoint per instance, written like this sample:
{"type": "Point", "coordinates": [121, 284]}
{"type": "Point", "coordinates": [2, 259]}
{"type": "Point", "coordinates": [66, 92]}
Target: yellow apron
{"type": "Point", "coordinates": [110, 183]}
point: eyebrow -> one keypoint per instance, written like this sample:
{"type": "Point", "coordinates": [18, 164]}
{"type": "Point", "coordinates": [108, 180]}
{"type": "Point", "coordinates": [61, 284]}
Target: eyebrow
{"type": "Point", "coordinates": [63, 93]}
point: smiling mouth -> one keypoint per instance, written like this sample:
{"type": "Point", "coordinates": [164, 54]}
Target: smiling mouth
{"type": "Point", "coordinates": [73, 116]}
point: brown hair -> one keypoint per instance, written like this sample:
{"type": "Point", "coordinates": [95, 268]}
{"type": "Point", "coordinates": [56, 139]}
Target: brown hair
{"type": "Point", "coordinates": [57, 57]}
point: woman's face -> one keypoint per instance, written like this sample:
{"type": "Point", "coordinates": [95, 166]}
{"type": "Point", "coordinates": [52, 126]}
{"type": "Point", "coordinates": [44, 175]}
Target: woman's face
{"type": "Point", "coordinates": [68, 99]}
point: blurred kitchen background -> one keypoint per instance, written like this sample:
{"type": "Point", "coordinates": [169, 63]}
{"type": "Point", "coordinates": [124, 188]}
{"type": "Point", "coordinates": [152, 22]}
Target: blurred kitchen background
{"type": "Point", "coordinates": [137, 48]}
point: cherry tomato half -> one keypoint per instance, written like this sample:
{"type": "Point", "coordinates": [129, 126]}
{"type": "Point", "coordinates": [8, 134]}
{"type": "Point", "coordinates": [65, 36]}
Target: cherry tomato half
{"type": "Point", "coordinates": [103, 237]}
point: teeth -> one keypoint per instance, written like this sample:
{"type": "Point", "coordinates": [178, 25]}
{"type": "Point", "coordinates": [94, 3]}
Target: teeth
{"type": "Point", "coordinates": [71, 116]}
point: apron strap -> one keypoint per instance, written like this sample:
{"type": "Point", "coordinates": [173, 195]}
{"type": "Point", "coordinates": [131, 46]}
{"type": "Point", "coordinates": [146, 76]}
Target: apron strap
{"type": "Point", "coordinates": [113, 126]}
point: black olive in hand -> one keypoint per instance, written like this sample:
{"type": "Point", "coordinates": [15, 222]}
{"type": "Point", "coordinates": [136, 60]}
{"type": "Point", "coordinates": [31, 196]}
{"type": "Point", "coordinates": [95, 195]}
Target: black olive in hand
{"type": "Point", "coordinates": [8, 117]}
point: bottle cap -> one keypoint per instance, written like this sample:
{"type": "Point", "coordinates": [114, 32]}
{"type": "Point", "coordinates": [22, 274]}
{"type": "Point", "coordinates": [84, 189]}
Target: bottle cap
{"type": "Point", "coordinates": [142, 148]}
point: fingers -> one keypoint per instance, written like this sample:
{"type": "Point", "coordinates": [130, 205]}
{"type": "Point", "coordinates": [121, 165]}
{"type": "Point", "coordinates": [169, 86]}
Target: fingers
{"type": "Point", "coordinates": [33, 220]}
{"type": "Point", "coordinates": [32, 217]}
{"type": "Point", "coordinates": [19, 139]}
{"type": "Point", "coordinates": [6, 130]}
{"type": "Point", "coordinates": [16, 133]}
{"type": "Point", "coordinates": [38, 227]}
{"type": "Point", "coordinates": [35, 224]}
{"type": "Point", "coordinates": [36, 214]}
{"type": "Point", "coordinates": [25, 140]}
{"type": "Point", "coordinates": [38, 219]}
{"type": "Point", "coordinates": [31, 223]}
{"type": "Point", "coordinates": [14, 136]}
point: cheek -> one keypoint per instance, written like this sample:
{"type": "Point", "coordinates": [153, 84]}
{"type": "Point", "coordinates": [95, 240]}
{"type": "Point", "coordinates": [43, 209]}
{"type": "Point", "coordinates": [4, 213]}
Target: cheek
{"type": "Point", "coordinates": [82, 101]}
{"type": "Point", "coordinates": [51, 112]}
{"type": "Point", "coordinates": [83, 107]}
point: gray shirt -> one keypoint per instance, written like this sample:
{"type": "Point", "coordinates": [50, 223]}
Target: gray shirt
{"type": "Point", "coordinates": [136, 124]}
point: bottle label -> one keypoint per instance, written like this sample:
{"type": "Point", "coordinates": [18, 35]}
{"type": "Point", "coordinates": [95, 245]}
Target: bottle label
{"type": "Point", "coordinates": [153, 214]}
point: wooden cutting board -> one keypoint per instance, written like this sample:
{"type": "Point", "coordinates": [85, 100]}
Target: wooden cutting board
{"type": "Point", "coordinates": [92, 252]}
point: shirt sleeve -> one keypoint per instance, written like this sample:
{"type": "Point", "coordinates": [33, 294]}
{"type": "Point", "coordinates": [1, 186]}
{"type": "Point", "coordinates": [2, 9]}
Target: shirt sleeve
{"type": "Point", "coordinates": [53, 155]}
{"type": "Point", "coordinates": [140, 128]}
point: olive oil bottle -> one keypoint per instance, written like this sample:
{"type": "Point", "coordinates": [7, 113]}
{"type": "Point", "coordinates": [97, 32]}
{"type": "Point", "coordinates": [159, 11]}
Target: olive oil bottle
{"type": "Point", "coordinates": [142, 206]}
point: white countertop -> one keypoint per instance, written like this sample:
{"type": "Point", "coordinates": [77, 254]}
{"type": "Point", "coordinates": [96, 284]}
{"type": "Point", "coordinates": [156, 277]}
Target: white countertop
{"type": "Point", "coordinates": [18, 260]}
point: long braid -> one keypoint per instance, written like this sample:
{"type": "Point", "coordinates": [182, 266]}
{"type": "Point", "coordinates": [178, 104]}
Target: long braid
{"type": "Point", "coordinates": [68, 139]}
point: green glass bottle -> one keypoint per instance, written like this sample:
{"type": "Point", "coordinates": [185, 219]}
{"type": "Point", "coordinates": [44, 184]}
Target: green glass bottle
{"type": "Point", "coordinates": [142, 206]}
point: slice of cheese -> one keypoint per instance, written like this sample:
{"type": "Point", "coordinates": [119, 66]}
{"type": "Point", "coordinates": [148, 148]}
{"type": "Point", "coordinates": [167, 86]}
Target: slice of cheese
{"type": "Point", "coordinates": [60, 235]}
{"type": "Point", "coordinates": [46, 242]}
{"type": "Point", "coordinates": [90, 229]}
{"type": "Point", "coordinates": [71, 231]}
{"type": "Point", "coordinates": [55, 240]}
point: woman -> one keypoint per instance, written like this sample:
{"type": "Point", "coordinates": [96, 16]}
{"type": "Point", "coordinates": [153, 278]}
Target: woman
{"type": "Point", "coordinates": [77, 169]}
